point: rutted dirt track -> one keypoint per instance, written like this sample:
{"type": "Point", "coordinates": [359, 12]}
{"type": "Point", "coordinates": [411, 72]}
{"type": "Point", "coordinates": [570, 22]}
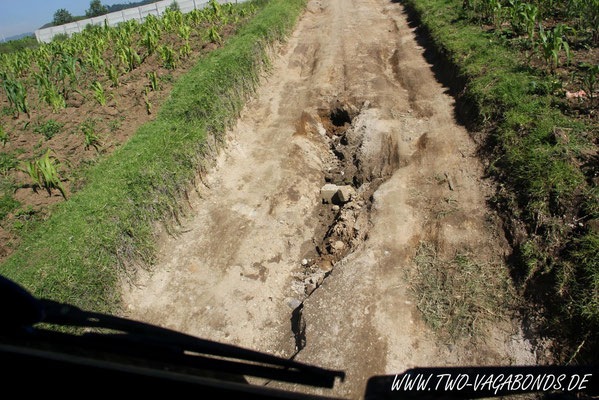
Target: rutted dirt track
{"type": "Point", "coordinates": [265, 265]}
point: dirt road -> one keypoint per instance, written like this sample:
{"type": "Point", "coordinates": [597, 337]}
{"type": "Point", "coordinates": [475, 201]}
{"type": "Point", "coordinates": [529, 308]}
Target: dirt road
{"type": "Point", "coordinates": [264, 264]}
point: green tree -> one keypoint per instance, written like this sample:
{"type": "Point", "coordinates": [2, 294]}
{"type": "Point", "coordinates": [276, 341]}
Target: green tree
{"type": "Point", "coordinates": [62, 16]}
{"type": "Point", "coordinates": [95, 9]}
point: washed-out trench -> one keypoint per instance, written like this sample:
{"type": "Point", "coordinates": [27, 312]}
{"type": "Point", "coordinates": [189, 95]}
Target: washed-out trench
{"type": "Point", "coordinates": [263, 262]}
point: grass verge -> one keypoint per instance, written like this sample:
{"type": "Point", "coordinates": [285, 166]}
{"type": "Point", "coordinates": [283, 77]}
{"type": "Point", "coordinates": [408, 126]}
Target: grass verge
{"type": "Point", "coordinates": [545, 161]}
{"type": "Point", "coordinates": [74, 255]}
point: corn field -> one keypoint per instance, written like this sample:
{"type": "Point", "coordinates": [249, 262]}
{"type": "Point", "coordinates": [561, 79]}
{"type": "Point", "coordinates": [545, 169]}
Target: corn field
{"type": "Point", "coordinates": [48, 76]}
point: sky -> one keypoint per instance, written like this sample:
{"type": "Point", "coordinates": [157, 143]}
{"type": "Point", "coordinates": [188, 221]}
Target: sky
{"type": "Point", "coordinates": [20, 16]}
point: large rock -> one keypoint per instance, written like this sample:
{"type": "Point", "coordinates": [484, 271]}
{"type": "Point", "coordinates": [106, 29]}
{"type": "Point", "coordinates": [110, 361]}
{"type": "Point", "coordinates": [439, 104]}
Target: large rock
{"type": "Point", "coordinates": [328, 191]}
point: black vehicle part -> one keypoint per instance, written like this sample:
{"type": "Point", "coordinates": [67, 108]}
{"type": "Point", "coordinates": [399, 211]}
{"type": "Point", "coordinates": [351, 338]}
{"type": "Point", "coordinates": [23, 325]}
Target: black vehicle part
{"type": "Point", "coordinates": [115, 348]}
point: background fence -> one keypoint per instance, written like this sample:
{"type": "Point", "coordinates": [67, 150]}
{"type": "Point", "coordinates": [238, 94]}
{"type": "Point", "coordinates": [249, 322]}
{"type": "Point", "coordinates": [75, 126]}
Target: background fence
{"type": "Point", "coordinates": [139, 13]}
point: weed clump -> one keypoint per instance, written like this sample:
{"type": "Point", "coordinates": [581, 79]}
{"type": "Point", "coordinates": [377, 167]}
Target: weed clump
{"type": "Point", "coordinates": [458, 296]}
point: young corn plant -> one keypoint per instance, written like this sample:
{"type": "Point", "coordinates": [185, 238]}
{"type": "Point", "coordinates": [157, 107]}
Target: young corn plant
{"type": "Point", "coordinates": [112, 73]}
{"type": "Point", "coordinates": [185, 32]}
{"type": "Point", "coordinates": [592, 18]}
{"type": "Point", "coordinates": [94, 59]}
{"type": "Point", "coordinates": [51, 95]}
{"type": "Point", "coordinates": [147, 101]}
{"type": "Point", "coordinates": [129, 58]}
{"type": "Point", "coordinates": [169, 58]}
{"type": "Point", "coordinates": [99, 93]}
{"type": "Point", "coordinates": [514, 11]}
{"type": "Point", "coordinates": [153, 77]}
{"type": "Point", "coordinates": [185, 50]}
{"type": "Point", "coordinates": [16, 94]}
{"type": "Point", "coordinates": [90, 137]}
{"type": "Point", "coordinates": [150, 40]}
{"type": "Point", "coordinates": [213, 35]}
{"type": "Point", "coordinates": [591, 81]}
{"type": "Point", "coordinates": [66, 68]}
{"type": "Point", "coordinates": [529, 14]}
{"type": "Point", "coordinates": [195, 16]}
{"type": "Point", "coordinates": [171, 19]}
{"type": "Point", "coordinates": [44, 173]}
{"type": "Point", "coordinates": [551, 42]}
{"type": "Point", "coordinates": [3, 136]}
{"type": "Point", "coordinates": [216, 9]}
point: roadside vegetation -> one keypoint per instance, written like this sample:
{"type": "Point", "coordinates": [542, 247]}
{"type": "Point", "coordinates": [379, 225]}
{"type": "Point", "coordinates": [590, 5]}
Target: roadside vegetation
{"type": "Point", "coordinates": [458, 296]}
{"type": "Point", "coordinates": [74, 254]}
{"type": "Point", "coordinates": [527, 76]}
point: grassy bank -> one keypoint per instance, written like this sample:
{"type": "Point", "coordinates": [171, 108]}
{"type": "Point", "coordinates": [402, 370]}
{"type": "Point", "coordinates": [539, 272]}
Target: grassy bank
{"type": "Point", "coordinates": [544, 157]}
{"type": "Point", "coordinates": [75, 254]}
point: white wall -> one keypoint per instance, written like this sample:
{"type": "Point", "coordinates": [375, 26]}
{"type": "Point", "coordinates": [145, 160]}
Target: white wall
{"type": "Point", "coordinates": [137, 13]}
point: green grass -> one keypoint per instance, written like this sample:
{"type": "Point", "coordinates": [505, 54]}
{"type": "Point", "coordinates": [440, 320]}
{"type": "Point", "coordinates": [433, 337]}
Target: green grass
{"type": "Point", "coordinates": [543, 184]}
{"type": "Point", "coordinates": [7, 204]}
{"type": "Point", "coordinates": [75, 254]}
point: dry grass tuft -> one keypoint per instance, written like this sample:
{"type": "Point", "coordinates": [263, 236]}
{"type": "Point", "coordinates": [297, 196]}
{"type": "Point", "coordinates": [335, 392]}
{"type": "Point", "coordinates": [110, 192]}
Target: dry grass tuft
{"type": "Point", "coordinates": [458, 296]}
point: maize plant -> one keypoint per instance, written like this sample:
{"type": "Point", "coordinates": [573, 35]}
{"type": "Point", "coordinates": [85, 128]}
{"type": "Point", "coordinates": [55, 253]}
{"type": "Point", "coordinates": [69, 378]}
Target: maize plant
{"type": "Point", "coordinates": [66, 68]}
{"type": "Point", "coordinates": [112, 74]}
{"type": "Point", "coordinates": [129, 58]}
{"type": "Point", "coordinates": [51, 95]}
{"type": "Point", "coordinates": [43, 59]}
{"type": "Point", "coordinates": [184, 32]}
{"type": "Point", "coordinates": [152, 23]}
{"type": "Point", "coordinates": [99, 93]}
{"type": "Point", "coordinates": [3, 136]}
{"type": "Point", "coordinates": [153, 77]}
{"type": "Point", "coordinates": [94, 58]}
{"type": "Point", "coordinates": [195, 17]}
{"type": "Point", "coordinates": [551, 42]}
{"type": "Point", "coordinates": [16, 94]}
{"type": "Point", "coordinates": [169, 58]}
{"type": "Point", "coordinates": [529, 15]}
{"type": "Point", "coordinates": [44, 173]}
{"type": "Point", "coordinates": [216, 9]}
{"type": "Point", "coordinates": [150, 41]}
{"type": "Point", "coordinates": [20, 63]}
{"type": "Point", "coordinates": [147, 101]}
{"type": "Point", "coordinates": [591, 81]}
{"type": "Point", "coordinates": [171, 20]}
{"type": "Point", "coordinates": [123, 36]}
{"type": "Point", "coordinates": [185, 50]}
{"type": "Point", "coordinates": [213, 35]}
{"type": "Point", "coordinates": [592, 17]}
{"type": "Point", "coordinates": [90, 138]}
